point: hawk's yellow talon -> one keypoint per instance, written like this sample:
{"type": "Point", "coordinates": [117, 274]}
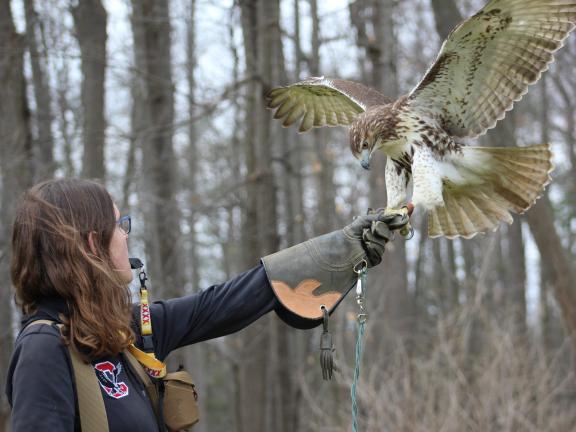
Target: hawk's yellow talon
{"type": "Point", "coordinates": [401, 211]}
{"type": "Point", "coordinates": [403, 225]}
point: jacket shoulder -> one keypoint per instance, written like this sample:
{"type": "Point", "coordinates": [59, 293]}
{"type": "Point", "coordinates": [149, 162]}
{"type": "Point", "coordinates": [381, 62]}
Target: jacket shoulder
{"type": "Point", "coordinates": [40, 382]}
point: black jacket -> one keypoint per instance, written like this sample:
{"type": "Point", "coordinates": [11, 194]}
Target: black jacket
{"type": "Point", "coordinates": [40, 385]}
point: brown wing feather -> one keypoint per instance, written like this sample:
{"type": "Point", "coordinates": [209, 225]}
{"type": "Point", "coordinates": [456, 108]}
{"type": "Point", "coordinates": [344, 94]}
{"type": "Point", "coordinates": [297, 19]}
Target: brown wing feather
{"type": "Point", "coordinates": [488, 62]}
{"type": "Point", "coordinates": [322, 102]}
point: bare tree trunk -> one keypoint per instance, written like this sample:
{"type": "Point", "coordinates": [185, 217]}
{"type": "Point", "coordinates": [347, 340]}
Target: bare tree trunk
{"type": "Point", "coordinates": [284, 341]}
{"type": "Point", "coordinates": [391, 278]}
{"type": "Point", "coordinates": [259, 224]}
{"type": "Point", "coordinates": [44, 142]}
{"type": "Point", "coordinates": [324, 165]}
{"type": "Point", "coordinates": [565, 84]}
{"type": "Point", "coordinates": [130, 172]}
{"type": "Point", "coordinates": [63, 79]}
{"type": "Point", "coordinates": [552, 268]}
{"type": "Point", "coordinates": [291, 343]}
{"type": "Point", "coordinates": [516, 269]}
{"type": "Point", "coordinates": [15, 171]}
{"type": "Point", "coordinates": [514, 272]}
{"type": "Point", "coordinates": [438, 277]}
{"type": "Point", "coordinates": [196, 356]}
{"type": "Point", "coordinates": [249, 18]}
{"type": "Point", "coordinates": [446, 15]}
{"type": "Point", "coordinates": [260, 394]}
{"type": "Point", "coordinates": [296, 150]}
{"type": "Point", "coordinates": [250, 393]}
{"type": "Point", "coordinates": [234, 247]}
{"type": "Point", "coordinates": [557, 260]}
{"type": "Point", "coordinates": [452, 280]}
{"type": "Point", "coordinates": [151, 22]}
{"type": "Point", "coordinates": [270, 45]}
{"type": "Point", "coordinates": [90, 20]}
{"type": "Point", "coordinates": [291, 156]}
{"type": "Point", "coordinates": [193, 153]}
{"type": "Point", "coordinates": [549, 335]}
{"type": "Point", "coordinates": [276, 396]}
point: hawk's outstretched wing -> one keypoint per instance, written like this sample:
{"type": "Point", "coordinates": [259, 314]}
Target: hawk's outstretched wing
{"type": "Point", "coordinates": [322, 102]}
{"type": "Point", "coordinates": [488, 62]}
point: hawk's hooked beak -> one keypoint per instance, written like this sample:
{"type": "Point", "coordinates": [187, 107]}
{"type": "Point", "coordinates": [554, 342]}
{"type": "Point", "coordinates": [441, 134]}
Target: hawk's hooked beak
{"type": "Point", "coordinates": [365, 161]}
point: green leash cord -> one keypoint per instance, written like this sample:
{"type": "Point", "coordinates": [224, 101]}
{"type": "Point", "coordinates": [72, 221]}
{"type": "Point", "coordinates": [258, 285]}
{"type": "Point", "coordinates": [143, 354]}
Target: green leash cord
{"type": "Point", "coordinates": [361, 319]}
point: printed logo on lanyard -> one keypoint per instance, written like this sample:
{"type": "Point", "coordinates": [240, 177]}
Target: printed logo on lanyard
{"type": "Point", "coordinates": [145, 315]}
{"type": "Point", "coordinates": [108, 375]}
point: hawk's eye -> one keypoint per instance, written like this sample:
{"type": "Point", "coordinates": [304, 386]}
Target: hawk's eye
{"type": "Point", "coordinates": [365, 145]}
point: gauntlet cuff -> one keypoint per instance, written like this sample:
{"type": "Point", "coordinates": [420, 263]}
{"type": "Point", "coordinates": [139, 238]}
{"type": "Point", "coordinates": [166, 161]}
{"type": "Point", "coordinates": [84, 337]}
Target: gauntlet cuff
{"type": "Point", "coordinates": [316, 273]}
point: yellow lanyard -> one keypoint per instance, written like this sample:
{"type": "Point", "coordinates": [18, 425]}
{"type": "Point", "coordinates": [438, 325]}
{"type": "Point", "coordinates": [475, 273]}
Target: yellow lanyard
{"type": "Point", "coordinates": [153, 367]}
{"type": "Point", "coordinates": [145, 320]}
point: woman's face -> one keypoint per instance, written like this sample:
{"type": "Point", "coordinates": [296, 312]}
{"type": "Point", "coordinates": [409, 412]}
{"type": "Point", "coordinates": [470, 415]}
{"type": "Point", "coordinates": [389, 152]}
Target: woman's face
{"type": "Point", "coordinates": [119, 251]}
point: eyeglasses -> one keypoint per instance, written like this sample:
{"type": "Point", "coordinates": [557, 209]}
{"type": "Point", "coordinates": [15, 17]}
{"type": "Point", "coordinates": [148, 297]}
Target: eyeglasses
{"type": "Point", "coordinates": [125, 224]}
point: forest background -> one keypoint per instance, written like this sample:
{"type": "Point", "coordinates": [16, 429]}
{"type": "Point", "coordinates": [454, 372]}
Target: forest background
{"type": "Point", "coordinates": [163, 100]}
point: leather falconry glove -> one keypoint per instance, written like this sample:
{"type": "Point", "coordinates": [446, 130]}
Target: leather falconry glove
{"type": "Point", "coordinates": [320, 271]}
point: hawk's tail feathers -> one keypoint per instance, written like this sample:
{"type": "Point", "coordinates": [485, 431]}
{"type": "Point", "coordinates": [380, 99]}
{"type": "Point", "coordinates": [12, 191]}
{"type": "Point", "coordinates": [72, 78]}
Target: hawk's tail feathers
{"type": "Point", "coordinates": [508, 180]}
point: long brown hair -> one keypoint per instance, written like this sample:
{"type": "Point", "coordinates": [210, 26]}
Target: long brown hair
{"type": "Point", "coordinates": [51, 257]}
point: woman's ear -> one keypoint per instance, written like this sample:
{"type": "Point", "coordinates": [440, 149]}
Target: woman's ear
{"type": "Point", "coordinates": [92, 242]}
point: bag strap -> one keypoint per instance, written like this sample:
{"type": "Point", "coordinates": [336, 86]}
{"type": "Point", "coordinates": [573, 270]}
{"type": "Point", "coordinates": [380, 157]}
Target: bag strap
{"type": "Point", "coordinates": [154, 389]}
{"type": "Point", "coordinates": [91, 407]}
{"type": "Point", "coordinates": [138, 369]}
{"type": "Point", "coordinates": [90, 401]}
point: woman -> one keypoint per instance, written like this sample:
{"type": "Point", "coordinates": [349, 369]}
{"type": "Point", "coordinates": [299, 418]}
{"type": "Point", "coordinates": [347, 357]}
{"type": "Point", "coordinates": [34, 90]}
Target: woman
{"type": "Point", "coordinates": [70, 265]}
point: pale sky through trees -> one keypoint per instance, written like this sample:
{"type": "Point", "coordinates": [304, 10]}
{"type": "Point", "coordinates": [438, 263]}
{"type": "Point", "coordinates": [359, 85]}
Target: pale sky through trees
{"type": "Point", "coordinates": [214, 72]}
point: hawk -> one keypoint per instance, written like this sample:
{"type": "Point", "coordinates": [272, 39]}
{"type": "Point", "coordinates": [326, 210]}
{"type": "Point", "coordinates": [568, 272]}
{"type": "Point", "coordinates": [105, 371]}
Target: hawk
{"type": "Point", "coordinates": [485, 65]}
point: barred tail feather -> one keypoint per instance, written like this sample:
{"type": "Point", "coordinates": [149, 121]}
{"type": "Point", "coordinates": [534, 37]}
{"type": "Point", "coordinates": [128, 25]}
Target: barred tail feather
{"type": "Point", "coordinates": [507, 180]}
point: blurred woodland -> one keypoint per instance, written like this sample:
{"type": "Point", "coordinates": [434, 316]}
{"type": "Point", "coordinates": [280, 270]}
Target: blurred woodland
{"type": "Point", "coordinates": [163, 100]}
